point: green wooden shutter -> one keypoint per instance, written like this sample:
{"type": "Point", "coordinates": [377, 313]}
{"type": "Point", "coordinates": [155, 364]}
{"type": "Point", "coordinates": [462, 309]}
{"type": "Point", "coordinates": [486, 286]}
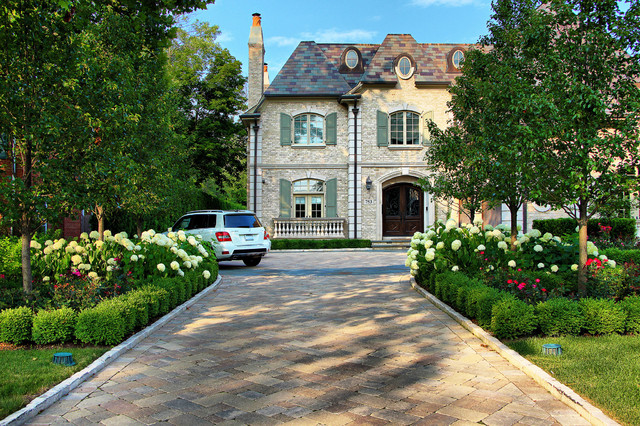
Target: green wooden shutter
{"type": "Point", "coordinates": [426, 136]}
{"type": "Point", "coordinates": [383, 128]}
{"type": "Point", "coordinates": [332, 128]}
{"type": "Point", "coordinates": [285, 198]}
{"type": "Point", "coordinates": [331, 197]}
{"type": "Point", "coordinates": [285, 129]}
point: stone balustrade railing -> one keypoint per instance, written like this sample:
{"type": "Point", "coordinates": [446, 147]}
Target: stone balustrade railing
{"type": "Point", "coordinates": [309, 228]}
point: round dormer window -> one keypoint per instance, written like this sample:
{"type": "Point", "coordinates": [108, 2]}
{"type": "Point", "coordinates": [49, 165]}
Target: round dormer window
{"type": "Point", "coordinates": [457, 59]}
{"type": "Point", "coordinates": [404, 68]}
{"type": "Point", "coordinates": [351, 59]}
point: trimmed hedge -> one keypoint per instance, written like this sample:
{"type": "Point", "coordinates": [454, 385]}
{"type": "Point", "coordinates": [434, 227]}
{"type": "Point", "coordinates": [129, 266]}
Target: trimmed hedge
{"type": "Point", "coordinates": [54, 326]}
{"type": "Point", "coordinates": [101, 325]}
{"type": "Point", "coordinates": [622, 256]}
{"type": "Point", "coordinates": [15, 325]}
{"type": "Point", "coordinates": [294, 244]}
{"type": "Point", "coordinates": [620, 227]}
{"type": "Point", "coordinates": [511, 318]}
{"type": "Point", "coordinates": [559, 317]}
{"type": "Point", "coordinates": [602, 316]}
{"type": "Point", "coordinates": [631, 306]}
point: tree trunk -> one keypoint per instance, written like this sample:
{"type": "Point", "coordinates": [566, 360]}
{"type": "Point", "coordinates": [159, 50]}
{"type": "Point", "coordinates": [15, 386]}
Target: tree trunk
{"type": "Point", "coordinates": [139, 226]}
{"type": "Point", "coordinates": [582, 249]}
{"type": "Point", "coordinates": [472, 215]}
{"type": "Point", "coordinates": [100, 217]}
{"type": "Point", "coordinates": [514, 226]}
{"type": "Point", "coordinates": [27, 277]}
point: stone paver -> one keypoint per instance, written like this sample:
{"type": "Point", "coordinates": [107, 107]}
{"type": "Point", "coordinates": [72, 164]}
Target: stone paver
{"type": "Point", "coordinates": [312, 338]}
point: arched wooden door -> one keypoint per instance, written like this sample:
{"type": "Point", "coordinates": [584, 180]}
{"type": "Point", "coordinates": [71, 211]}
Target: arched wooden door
{"type": "Point", "coordinates": [402, 210]}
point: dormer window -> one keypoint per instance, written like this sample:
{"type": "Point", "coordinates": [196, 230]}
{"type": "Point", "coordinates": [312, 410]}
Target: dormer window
{"type": "Point", "coordinates": [457, 59]}
{"type": "Point", "coordinates": [405, 67]}
{"type": "Point", "coordinates": [351, 59]}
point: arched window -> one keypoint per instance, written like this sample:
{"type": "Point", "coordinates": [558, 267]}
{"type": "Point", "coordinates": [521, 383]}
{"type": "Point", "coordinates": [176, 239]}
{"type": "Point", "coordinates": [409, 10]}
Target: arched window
{"type": "Point", "coordinates": [405, 128]}
{"type": "Point", "coordinates": [308, 129]}
{"type": "Point", "coordinates": [457, 59]}
{"type": "Point", "coordinates": [351, 58]}
{"type": "Point", "coordinates": [308, 197]}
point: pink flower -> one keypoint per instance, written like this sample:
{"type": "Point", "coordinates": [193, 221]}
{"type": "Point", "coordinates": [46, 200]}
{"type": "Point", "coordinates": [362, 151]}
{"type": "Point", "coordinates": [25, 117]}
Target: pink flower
{"type": "Point", "coordinates": [1, 276]}
{"type": "Point", "coordinates": [521, 286]}
{"type": "Point", "coordinates": [535, 286]}
{"type": "Point", "coordinates": [519, 269]}
{"type": "Point", "coordinates": [537, 280]}
{"type": "Point", "coordinates": [509, 281]}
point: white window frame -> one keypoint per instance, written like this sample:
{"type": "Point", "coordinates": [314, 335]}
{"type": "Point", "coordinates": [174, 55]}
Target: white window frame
{"type": "Point", "coordinates": [404, 128]}
{"type": "Point", "coordinates": [460, 60]}
{"type": "Point", "coordinates": [308, 194]}
{"type": "Point", "coordinates": [307, 142]}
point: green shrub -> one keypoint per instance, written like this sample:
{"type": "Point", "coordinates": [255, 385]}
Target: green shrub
{"type": "Point", "coordinates": [138, 307]}
{"type": "Point", "coordinates": [480, 301]}
{"type": "Point", "coordinates": [150, 296]}
{"type": "Point", "coordinates": [559, 317]}
{"type": "Point", "coordinates": [462, 296]}
{"type": "Point", "coordinates": [100, 325]}
{"type": "Point", "coordinates": [631, 306]}
{"type": "Point", "coordinates": [16, 325]}
{"type": "Point", "coordinates": [167, 284]}
{"type": "Point", "coordinates": [56, 326]}
{"type": "Point", "coordinates": [602, 316]}
{"type": "Point", "coordinates": [511, 318]}
{"type": "Point", "coordinates": [624, 228]}
{"type": "Point", "coordinates": [189, 289]}
{"type": "Point", "coordinates": [295, 244]}
{"type": "Point", "coordinates": [10, 255]}
{"type": "Point", "coordinates": [622, 256]}
{"type": "Point", "coordinates": [125, 310]}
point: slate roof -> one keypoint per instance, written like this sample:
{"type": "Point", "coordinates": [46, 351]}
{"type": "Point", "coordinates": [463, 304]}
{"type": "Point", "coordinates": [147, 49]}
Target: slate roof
{"type": "Point", "coordinates": [314, 69]}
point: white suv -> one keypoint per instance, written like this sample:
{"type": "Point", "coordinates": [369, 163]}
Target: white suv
{"type": "Point", "coordinates": [234, 234]}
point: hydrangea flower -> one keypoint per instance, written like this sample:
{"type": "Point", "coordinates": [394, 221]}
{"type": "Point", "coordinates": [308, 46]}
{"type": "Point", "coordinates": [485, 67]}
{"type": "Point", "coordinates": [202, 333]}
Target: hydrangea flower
{"type": "Point", "coordinates": [554, 268]}
{"type": "Point", "coordinates": [161, 267]}
{"type": "Point", "coordinates": [175, 265]}
{"type": "Point", "coordinates": [612, 263]}
{"type": "Point", "coordinates": [474, 230]}
{"type": "Point", "coordinates": [76, 259]}
{"type": "Point", "coordinates": [451, 224]}
{"type": "Point", "coordinates": [440, 245]}
{"type": "Point", "coordinates": [512, 263]}
{"type": "Point", "coordinates": [503, 245]}
{"type": "Point", "coordinates": [574, 267]}
{"type": "Point", "coordinates": [206, 274]}
{"type": "Point", "coordinates": [430, 255]}
{"type": "Point", "coordinates": [455, 268]}
{"type": "Point", "coordinates": [455, 245]}
{"type": "Point", "coordinates": [94, 234]}
{"type": "Point", "coordinates": [481, 247]}
{"type": "Point", "coordinates": [134, 258]}
{"type": "Point", "coordinates": [414, 264]}
{"type": "Point", "coordinates": [541, 265]}
{"type": "Point", "coordinates": [538, 248]}
{"type": "Point", "coordinates": [428, 244]}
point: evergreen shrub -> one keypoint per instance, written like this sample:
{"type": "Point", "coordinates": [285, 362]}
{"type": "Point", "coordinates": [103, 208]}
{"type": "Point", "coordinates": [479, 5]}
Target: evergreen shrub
{"type": "Point", "coordinates": [631, 306]}
{"type": "Point", "coordinates": [559, 317]}
{"type": "Point", "coordinates": [602, 316]}
{"type": "Point", "coordinates": [16, 325]}
{"type": "Point", "coordinates": [480, 301]}
{"type": "Point", "coordinates": [101, 325]}
{"type": "Point", "coordinates": [511, 318]}
{"type": "Point", "coordinates": [55, 326]}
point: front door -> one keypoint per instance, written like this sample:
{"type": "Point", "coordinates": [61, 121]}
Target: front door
{"type": "Point", "coordinates": [402, 210]}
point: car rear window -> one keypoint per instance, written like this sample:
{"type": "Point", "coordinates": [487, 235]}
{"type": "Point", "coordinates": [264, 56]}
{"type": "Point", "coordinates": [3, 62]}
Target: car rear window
{"type": "Point", "coordinates": [241, 221]}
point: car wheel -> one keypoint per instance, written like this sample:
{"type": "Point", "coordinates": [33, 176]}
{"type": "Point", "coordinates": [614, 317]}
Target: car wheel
{"type": "Point", "coordinates": [252, 261]}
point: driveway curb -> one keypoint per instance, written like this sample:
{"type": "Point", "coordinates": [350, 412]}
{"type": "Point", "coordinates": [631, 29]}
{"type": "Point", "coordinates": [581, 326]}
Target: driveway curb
{"type": "Point", "coordinates": [54, 394]}
{"type": "Point", "coordinates": [591, 413]}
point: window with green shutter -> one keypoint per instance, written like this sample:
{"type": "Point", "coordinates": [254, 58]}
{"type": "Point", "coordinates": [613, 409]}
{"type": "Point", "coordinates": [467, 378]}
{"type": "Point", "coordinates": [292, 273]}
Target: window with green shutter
{"type": "Point", "coordinates": [426, 135]}
{"type": "Point", "coordinates": [331, 197]}
{"type": "Point", "coordinates": [332, 128]}
{"type": "Point", "coordinates": [285, 129]}
{"type": "Point", "coordinates": [285, 198]}
{"type": "Point", "coordinates": [383, 128]}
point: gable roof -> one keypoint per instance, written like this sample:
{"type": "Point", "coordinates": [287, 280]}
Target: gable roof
{"type": "Point", "coordinates": [316, 69]}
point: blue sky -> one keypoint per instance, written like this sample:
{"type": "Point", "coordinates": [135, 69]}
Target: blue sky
{"type": "Point", "coordinates": [285, 23]}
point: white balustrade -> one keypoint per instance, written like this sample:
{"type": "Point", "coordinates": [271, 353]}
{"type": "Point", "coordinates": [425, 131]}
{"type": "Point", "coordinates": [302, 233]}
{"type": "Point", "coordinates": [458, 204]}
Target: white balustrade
{"type": "Point", "coordinates": [309, 228]}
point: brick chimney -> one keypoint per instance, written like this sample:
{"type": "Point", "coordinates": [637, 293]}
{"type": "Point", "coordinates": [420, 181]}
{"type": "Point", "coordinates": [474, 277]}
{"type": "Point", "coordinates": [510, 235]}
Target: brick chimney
{"type": "Point", "coordinates": [256, 62]}
{"type": "Point", "coordinates": [266, 77]}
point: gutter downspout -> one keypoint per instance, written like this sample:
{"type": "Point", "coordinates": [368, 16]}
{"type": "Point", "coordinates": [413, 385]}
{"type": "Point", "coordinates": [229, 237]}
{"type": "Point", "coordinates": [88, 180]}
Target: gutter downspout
{"type": "Point", "coordinates": [255, 166]}
{"type": "Point", "coordinates": [355, 168]}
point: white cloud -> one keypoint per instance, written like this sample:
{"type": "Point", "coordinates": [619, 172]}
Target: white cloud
{"type": "Point", "coordinates": [333, 35]}
{"type": "Point", "coordinates": [224, 37]}
{"type": "Point", "coordinates": [283, 41]}
{"type": "Point", "coordinates": [451, 3]}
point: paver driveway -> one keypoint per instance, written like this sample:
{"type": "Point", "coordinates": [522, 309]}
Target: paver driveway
{"type": "Point", "coordinates": [312, 338]}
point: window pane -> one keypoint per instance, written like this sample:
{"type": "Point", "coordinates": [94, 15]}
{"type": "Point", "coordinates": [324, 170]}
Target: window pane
{"type": "Point", "coordinates": [413, 128]}
{"type": "Point", "coordinates": [397, 128]}
{"type": "Point", "coordinates": [241, 221]}
{"type": "Point", "coordinates": [317, 186]}
{"type": "Point", "coordinates": [301, 185]}
{"type": "Point", "coordinates": [405, 66]}
{"type": "Point", "coordinates": [316, 206]}
{"type": "Point", "coordinates": [316, 129]}
{"type": "Point", "coordinates": [352, 59]}
{"type": "Point", "coordinates": [300, 207]}
{"type": "Point", "coordinates": [300, 130]}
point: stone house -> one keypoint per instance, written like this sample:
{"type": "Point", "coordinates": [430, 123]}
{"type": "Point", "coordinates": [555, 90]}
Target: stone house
{"type": "Point", "coordinates": [337, 140]}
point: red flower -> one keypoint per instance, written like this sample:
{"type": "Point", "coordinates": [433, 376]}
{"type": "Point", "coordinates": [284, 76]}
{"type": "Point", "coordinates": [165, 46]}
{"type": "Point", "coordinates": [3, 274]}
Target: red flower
{"type": "Point", "coordinates": [537, 280]}
{"type": "Point", "coordinates": [544, 290]}
{"type": "Point", "coordinates": [1, 276]}
{"type": "Point", "coordinates": [509, 281]}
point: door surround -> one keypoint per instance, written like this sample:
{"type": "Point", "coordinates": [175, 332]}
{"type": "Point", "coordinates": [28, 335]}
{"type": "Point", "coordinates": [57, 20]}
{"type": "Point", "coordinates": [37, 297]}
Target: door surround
{"type": "Point", "coordinates": [404, 175]}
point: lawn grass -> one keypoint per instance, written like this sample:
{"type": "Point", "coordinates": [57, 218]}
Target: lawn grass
{"type": "Point", "coordinates": [603, 370]}
{"type": "Point", "coordinates": [27, 373]}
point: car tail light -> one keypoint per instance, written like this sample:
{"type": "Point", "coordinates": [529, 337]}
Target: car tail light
{"type": "Point", "coordinates": [266, 235]}
{"type": "Point", "coordinates": [223, 236]}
